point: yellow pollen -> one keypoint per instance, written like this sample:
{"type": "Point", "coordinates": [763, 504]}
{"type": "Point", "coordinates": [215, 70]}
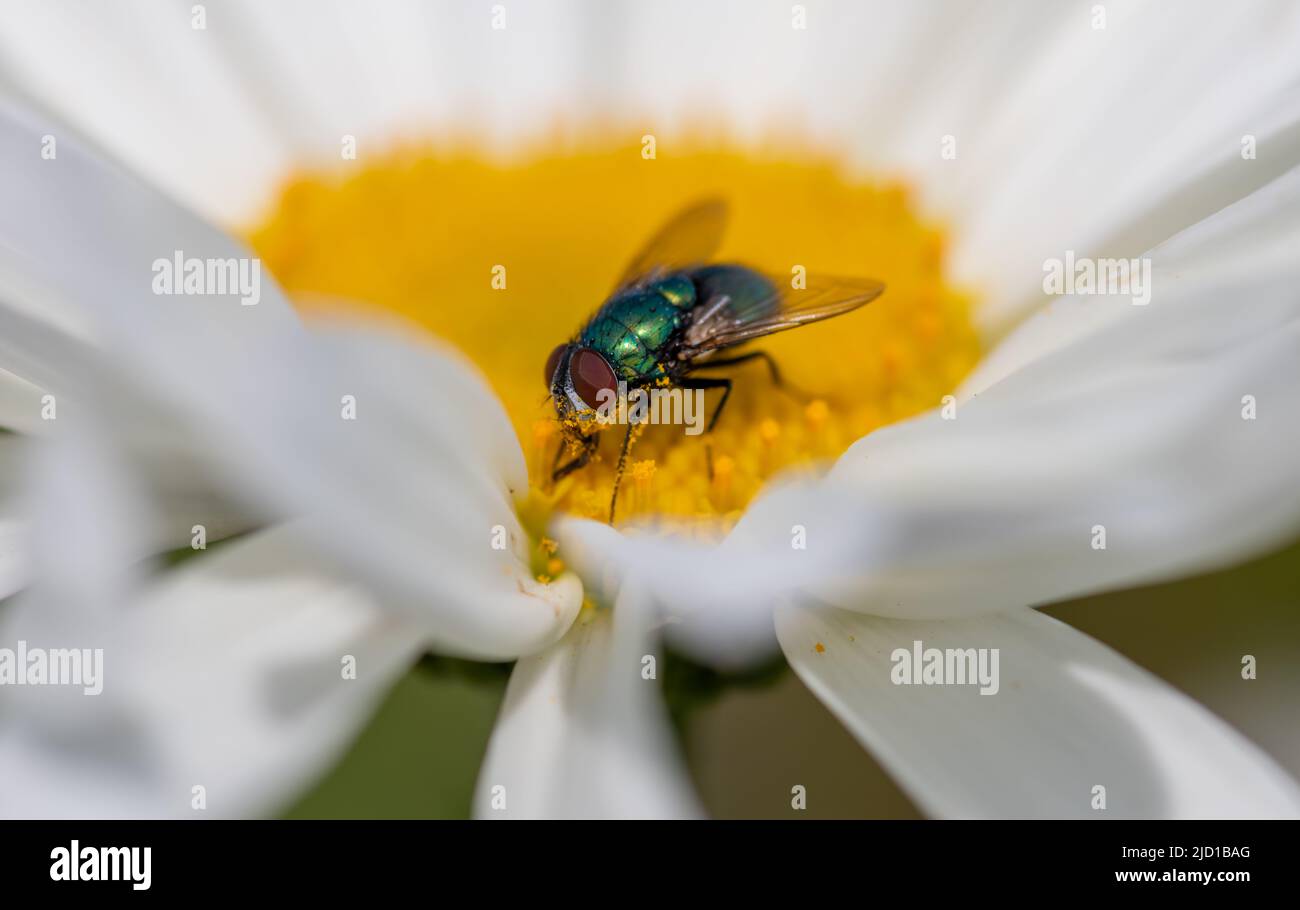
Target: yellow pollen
{"type": "Point", "coordinates": [723, 468]}
{"type": "Point", "coordinates": [506, 260]}
{"type": "Point", "coordinates": [816, 413]}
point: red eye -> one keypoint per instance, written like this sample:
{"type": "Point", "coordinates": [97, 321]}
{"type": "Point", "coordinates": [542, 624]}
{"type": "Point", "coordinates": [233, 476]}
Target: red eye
{"type": "Point", "coordinates": [553, 363]}
{"type": "Point", "coordinates": [591, 374]}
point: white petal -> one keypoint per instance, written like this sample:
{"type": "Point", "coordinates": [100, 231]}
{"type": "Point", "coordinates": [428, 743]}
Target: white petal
{"type": "Point", "coordinates": [81, 242]}
{"type": "Point", "coordinates": [13, 528]}
{"type": "Point", "coordinates": [582, 733]}
{"type": "Point", "coordinates": [1136, 428]}
{"type": "Point", "coordinates": [216, 116]}
{"type": "Point", "coordinates": [159, 94]}
{"type": "Point", "coordinates": [226, 675]}
{"type": "Point", "coordinates": [1068, 715]}
{"type": "Point", "coordinates": [714, 603]}
{"type": "Point", "coordinates": [1108, 141]}
{"type": "Point", "coordinates": [20, 404]}
{"type": "Point", "coordinates": [1256, 237]}
{"type": "Point", "coordinates": [13, 556]}
{"type": "Point", "coordinates": [412, 494]}
{"type": "Point", "coordinates": [1069, 136]}
{"type": "Point", "coordinates": [415, 494]}
{"type": "Point", "coordinates": [78, 239]}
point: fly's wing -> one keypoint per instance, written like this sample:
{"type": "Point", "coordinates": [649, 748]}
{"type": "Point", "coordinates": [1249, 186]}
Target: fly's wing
{"type": "Point", "coordinates": [690, 238]}
{"type": "Point", "coordinates": [727, 319]}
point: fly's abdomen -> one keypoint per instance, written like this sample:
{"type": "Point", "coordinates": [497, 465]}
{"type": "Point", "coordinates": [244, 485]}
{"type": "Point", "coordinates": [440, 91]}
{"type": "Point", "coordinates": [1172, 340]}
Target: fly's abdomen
{"type": "Point", "coordinates": [635, 329]}
{"type": "Point", "coordinates": [750, 295]}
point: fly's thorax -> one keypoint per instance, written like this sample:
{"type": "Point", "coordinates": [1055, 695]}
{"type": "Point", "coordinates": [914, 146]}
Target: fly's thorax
{"type": "Point", "coordinates": [678, 289]}
{"type": "Point", "coordinates": [635, 329]}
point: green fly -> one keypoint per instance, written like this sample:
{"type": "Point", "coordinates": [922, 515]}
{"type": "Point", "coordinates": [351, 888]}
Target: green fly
{"type": "Point", "coordinates": [672, 312]}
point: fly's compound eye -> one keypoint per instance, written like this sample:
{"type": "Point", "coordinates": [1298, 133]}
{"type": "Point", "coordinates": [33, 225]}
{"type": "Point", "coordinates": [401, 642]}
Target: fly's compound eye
{"type": "Point", "coordinates": [591, 374]}
{"type": "Point", "coordinates": [553, 363]}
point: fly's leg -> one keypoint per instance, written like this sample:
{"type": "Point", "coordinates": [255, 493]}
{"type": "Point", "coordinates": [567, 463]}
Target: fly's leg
{"type": "Point", "coordinates": [745, 358]}
{"type": "Point", "coordinates": [618, 472]}
{"type": "Point", "coordinates": [772, 368]}
{"type": "Point", "coordinates": [589, 444]}
{"type": "Point", "coordinates": [703, 382]}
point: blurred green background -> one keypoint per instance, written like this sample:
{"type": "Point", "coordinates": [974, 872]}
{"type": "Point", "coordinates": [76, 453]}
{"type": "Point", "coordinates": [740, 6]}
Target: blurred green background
{"type": "Point", "coordinates": [747, 739]}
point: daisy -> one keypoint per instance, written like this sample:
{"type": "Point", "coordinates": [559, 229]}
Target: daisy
{"type": "Point", "coordinates": [978, 469]}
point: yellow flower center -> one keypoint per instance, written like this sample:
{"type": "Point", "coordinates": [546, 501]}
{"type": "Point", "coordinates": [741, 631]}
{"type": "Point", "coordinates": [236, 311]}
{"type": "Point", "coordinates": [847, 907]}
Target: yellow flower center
{"type": "Point", "coordinates": [507, 260]}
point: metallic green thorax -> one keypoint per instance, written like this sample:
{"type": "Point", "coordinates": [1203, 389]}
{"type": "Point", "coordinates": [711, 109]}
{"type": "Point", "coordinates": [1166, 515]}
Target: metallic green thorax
{"type": "Point", "coordinates": [634, 329]}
